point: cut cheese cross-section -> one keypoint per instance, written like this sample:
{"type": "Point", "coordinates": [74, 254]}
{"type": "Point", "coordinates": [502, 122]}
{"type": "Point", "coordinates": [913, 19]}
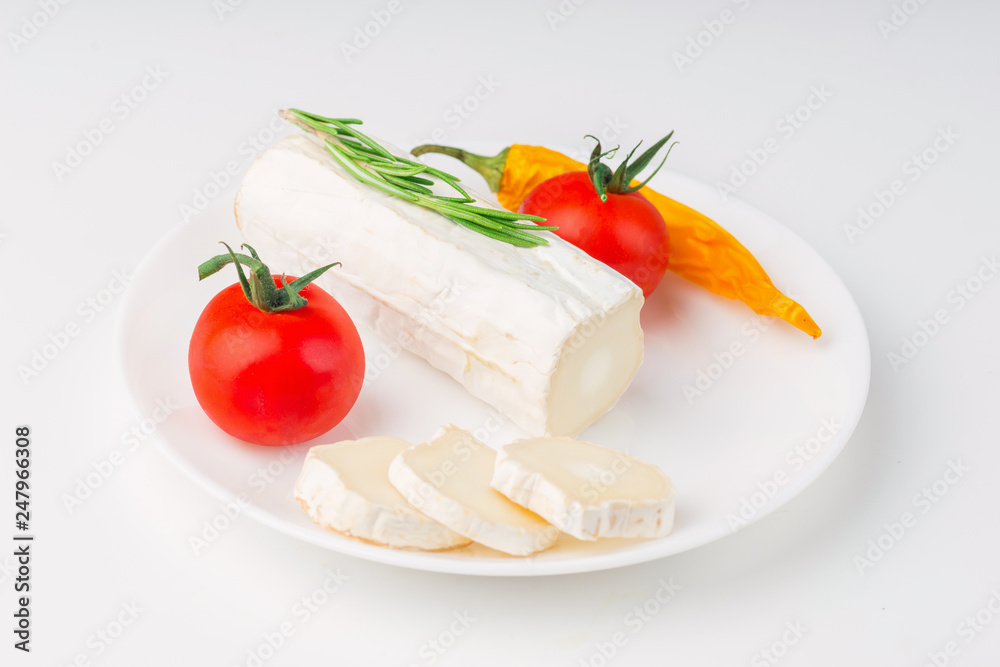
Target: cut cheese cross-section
{"type": "Point", "coordinates": [547, 335]}
{"type": "Point", "coordinates": [448, 479]}
{"type": "Point", "coordinates": [345, 487]}
{"type": "Point", "coordinates": [586, 490]}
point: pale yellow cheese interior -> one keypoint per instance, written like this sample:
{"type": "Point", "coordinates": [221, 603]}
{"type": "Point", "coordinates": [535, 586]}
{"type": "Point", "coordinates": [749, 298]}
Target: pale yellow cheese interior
{"type": "Point", "coordinates": [596, 366]}
{"type": "Point", "coordinates": [590, 473]}
{"type": "Point", "coordinates": [461, 468]}
{"type": "Point", "coordinates": [363, 467]}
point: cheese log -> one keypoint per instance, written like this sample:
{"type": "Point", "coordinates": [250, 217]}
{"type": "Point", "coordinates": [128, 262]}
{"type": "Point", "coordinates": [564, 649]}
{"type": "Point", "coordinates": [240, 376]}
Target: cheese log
{"type": "Point", "coordinates": [547, 335]}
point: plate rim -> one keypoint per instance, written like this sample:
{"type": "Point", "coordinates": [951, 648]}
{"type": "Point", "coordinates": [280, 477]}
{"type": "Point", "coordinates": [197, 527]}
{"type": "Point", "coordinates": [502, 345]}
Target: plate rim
{"type": "Point", "coordinates": [508, 567]}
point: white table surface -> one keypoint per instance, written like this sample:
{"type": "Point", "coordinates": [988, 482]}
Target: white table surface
{"type": "Point", "coordinates": [219, 80]}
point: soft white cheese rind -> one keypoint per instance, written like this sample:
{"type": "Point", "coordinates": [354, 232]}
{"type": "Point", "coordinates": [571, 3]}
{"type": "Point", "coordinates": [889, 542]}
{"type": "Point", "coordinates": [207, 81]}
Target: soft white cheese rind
{"type": "Point", "coordinates": [547, 335]}
{"type": "Point", "coordinates": [512, 530]}
{"type": "Point", "coordinates": [335, 503]}
{"type": "Point", "coordinates": [586, 509]}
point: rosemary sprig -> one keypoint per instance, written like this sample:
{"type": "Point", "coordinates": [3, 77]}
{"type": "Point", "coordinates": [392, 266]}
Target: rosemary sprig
{"type": "Point", "coordinates": [372, 164]}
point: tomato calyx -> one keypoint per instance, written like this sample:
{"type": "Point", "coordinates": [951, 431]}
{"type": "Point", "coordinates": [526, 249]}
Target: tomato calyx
{"type": "Point", "coordinates": [619, 182]}
{"type": "Point", "coordinates": [260, 289]}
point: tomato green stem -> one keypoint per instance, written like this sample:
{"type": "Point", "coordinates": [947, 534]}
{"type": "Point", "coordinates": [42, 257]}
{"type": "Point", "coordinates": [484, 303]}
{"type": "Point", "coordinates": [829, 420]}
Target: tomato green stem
{"type": "Point", "coordinates": [259, 288]}
{"type": "Point", "coordinates": [619, 182]}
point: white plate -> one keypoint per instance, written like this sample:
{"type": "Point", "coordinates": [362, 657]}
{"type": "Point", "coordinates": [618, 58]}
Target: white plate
{"type": "Point", "coordinates": [723, 448]}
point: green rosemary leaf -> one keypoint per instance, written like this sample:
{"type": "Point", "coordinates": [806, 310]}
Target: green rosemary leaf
{"type": "Point", "coordinates": [499, 236]}
{"type": "Point", "coordinates": [324, 119]}
{"type": "Point", "coordinates": [528, 238]}
{"type": "Point", "coordinates": [414, 179]}
{"type": "Point", "coordinates": [360, 151]}
{"type": "Point", "coordinates": [458, 211]}
{"type": "Point", "coordinates": [364, 176]}
{"type": "Point", "coordinates": [396, 170]}
{"type": "Point", "coordinates": [500, 214]}
{"type": "Point", "coordinates": [528, 226]}
{"type": "Point", "coordinates": [365, 139]}
{"type": "Point", "coordinates": [408, 184]}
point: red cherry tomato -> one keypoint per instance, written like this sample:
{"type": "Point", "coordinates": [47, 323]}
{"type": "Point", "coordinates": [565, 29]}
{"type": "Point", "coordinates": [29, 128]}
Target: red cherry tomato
{"type": "Point", "coordinates": [625, 232]}
{"type": "Point", "coordinates": [276, 378]}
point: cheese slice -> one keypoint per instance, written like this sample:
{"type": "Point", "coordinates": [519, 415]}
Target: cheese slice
{"type": "Point", "coordinates": [548, 336]}
{"type": "Point", "coordinates": [448, 479]}
{"type": "Point", "coordinates": [345, 487]}
{"type": "Point", "coordinates": [586, 490]}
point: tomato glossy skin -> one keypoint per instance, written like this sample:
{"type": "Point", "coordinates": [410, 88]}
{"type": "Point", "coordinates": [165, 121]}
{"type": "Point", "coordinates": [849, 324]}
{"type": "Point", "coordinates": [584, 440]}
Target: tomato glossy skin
{"type": "Point", "coordinates": [276, 378]}
{"type": "Point", "coordinates": [626, 232]}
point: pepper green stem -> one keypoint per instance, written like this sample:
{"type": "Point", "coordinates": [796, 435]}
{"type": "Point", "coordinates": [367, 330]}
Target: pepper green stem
{"type": "Point", "coordinates": [489, 167]}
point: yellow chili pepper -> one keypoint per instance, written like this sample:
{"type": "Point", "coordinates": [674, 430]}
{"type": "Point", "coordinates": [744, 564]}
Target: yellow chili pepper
{"type": "Point", "coordinates": [700, 250]}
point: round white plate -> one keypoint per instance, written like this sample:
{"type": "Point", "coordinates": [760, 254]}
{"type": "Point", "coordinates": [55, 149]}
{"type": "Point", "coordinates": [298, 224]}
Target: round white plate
{"type": "Point", "coordinates": [742, 412]}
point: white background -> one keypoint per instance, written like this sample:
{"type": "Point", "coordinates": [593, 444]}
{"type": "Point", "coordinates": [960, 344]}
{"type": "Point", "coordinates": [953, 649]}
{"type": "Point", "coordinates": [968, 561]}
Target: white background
{"type": "Point", "coordinates": [61, 239]}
